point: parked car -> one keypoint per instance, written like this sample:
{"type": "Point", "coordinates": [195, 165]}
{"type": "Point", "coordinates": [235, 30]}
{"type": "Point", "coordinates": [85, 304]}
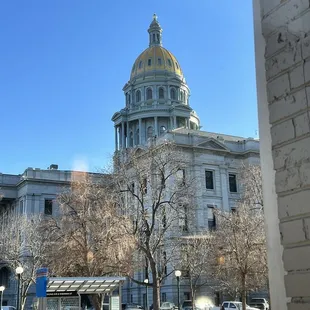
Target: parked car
{"type": "Point", "coordinates": [168, 306]}
{"type": "Point", "coordinates": [260, 303]}
{"type": "Point", "coordinates": [8, 308]}
{"type": "Point", "coordinates": [131, 307]}
{"type": "Point", "coordinates": [188, 305]}
{"type": "Point", "coordinates": [233, 305]}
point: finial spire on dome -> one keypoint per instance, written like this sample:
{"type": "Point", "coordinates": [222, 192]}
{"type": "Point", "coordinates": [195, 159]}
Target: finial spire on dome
{"type": "Point", "coordinates": [155, 32]}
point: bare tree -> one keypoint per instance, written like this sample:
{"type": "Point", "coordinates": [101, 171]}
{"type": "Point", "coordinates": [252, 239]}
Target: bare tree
{"type": "Point", "coordinates": [193, 261]}
{"type": "Point", "coordinates": [88, 237]}
{"type": "Point", "coordinates": [154, 188]}
{"type": "Point", "coordinates": [23, 243]}
{"type": "Point", "coordinates": [238, 257]}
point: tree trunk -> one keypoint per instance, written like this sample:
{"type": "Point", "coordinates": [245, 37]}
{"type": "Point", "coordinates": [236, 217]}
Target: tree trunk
{"type": "Point", "coordinates": [156, 284]}
{"type": "Point", "coordinates": [156, 294]}
{"type": "Point", "coordinates": [243, 293]}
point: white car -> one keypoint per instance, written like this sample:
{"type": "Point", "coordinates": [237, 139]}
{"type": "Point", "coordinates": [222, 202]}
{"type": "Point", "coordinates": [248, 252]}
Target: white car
{"type": "Point", "coordinates": [168, 306]}
{"type": "Point", "coordinates": [234, 305]}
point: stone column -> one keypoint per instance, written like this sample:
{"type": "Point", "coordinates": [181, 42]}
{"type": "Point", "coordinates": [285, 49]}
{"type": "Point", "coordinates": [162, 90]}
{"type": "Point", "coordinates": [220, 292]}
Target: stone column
{"type": "Point", "coordinates": [140, 131]}
{"type": "Point", "coordinates": [116, 139]}
{"type": "Point", "coordinates": [283, 109]}
{"type": "Point", "coordinates": [123, 135]}
{"type": "Point", "coordinates": [224, 188]}
{"type": "Point", "coordinates": [128, 134]}
{"type": "Point", "coordinates": [156, 126]}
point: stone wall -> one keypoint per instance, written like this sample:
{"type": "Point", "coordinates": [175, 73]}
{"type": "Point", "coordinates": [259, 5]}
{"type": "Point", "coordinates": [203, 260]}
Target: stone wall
{"type": "Point", "coordinates": [285, 26]}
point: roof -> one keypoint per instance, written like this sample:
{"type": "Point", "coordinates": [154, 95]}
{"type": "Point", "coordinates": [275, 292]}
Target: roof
{"type": "Point", "coordinates": [84, 285]}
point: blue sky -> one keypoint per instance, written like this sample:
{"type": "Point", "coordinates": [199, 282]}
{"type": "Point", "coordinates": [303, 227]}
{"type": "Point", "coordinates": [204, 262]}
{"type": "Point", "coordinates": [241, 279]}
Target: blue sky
{"type": "Point", "coordinates": [64, 63]}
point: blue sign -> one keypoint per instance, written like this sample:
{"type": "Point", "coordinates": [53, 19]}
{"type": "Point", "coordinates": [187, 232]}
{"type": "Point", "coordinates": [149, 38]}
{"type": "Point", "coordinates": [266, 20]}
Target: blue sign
{"type": "Point", "coordinates": [41, 282]}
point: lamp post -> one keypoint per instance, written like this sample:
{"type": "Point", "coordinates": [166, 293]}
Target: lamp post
{"type": "Point", "coordinates": [19, 270]}
{"type": "Point", "coordinates": [178, 275]}
{"type": "Point", "coordinates": [146, 281]}
{"type": "Point", "coordinates": [2, 288]}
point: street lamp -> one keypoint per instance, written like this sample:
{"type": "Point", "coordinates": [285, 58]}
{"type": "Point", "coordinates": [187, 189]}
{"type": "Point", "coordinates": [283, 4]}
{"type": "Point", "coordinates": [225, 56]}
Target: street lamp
{"type": "Point", "coordinates": [2, 288]}
{"type": "Point", "coordinates": [178, 275]}
{"type": "Point", "coordinates": [146, 281]}
{"type": "Point", "coordinates": [19, 270]}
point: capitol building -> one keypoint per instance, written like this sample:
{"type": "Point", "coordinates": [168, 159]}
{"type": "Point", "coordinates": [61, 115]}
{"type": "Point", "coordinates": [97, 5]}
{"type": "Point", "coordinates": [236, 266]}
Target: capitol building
{"type": "Point", "coordinates": [157, 107]}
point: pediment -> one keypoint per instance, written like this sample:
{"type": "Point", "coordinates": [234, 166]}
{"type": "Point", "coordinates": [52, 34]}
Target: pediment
{"type": "Point", "coordinates": [213, 144]}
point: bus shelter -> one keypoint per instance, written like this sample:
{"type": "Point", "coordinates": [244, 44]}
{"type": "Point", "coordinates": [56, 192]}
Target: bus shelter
{"type": "Point", "coordinates": [71, 293]}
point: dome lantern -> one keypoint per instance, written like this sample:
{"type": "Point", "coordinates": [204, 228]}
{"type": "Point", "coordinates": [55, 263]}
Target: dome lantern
{"type": "Point", "coordinates": [155, 32]}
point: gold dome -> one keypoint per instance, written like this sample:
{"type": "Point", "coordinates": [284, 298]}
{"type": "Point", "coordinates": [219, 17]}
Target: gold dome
{"type": "Point", "coordinates": [155, 59]}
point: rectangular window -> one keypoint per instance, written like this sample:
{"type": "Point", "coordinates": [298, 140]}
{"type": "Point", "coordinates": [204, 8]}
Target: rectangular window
{"type": "Point", "coordinates": [187, 296]}
{"type": "Point", "coordinates": [209, 179]}
{"type": "Point", "coordinates": [181, 177]}
{"type": "Point", "coordinates": [211, 218]}
{"type": "Point", "coordinates": [146, 269]}
{"type": "Point", "coordinates": [159, 61]}
{"type": "Point", "coordinates": [48, 207]}
{"type": "Point", "coordinates": [144, 186]}
{"type": "Point", "coordinates": [163, 297]}
{"type": "Point", "coordinates": [149, 62]}
{"type": "Point", "coordinates": [183, 218]}
{"type": "Point", "coordinates": [232, 183]}
{"type": "Point", "coordinates": [131, 298]}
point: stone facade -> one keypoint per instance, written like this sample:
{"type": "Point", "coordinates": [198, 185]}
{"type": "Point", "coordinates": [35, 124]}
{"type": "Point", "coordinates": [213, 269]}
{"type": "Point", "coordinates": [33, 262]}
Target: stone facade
{"type": "Point", "coordinates": [282, 30]}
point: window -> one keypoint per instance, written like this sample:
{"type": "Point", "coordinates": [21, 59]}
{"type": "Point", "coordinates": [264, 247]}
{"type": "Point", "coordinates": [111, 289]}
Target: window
{"type": "Point", "coordinates": [161, 94]}
{"type": "Point", "coordinates": [4, 277]}
{"type": "Point", "coordinates": [159, 61]}
{"type": "Point", "coordinates": [183, 219]}
{"type": "Point", "coordinates": [164, 218]}
{"type": "Point", "coordinates": [233, 210]}
{"type": "Point", "coordinates": [169, 63]}
{"type": "Point", "coordinates": [131, 139]}
{"type": "Point", "coordinates": [165, 263]}
{"type": "Point", "coordinates": [140, 64]}
{"type": "Point", "coordinates": [176, 64]}
{"type": "Point", "coordinates": [153, 37]}
{"type": "Point", "coordinates": [144, 186]}
{"type": "Point", "coordinates": [131, 298]}
{"type": "Point", "coordinates": [21, 207]}
{"type": "Point", "coordinates": [162, 130]}
{"type": "Point", "coordinates": [187, 296]}
{"type": "Point", "coordinates": [146, 269]}
{"type": "Point", "coordinates": [163, 297]}
{"type": "Point", "coordinates": [149, 62]}
{"type": "Point", "coordinates": [225, 305]}
{"type": "Point", "coordinates": [182, 96]}
{"type": "Point", "coordinates": [48, 207]}
{"type": "Point", "coordinates": [232, 183]}
{"type": "Point", "coordinates": [149, 94]}
{"type": "Point", "coordinates": [211, 218]}
{"type": "Point", "coordinates": [137, 137]}
{"type": "Point", "coordinates": [128, 98]}
{"type": "Point", "coordinates": [232, 306]}
{"type": "Point", "coordinates": [181, 177]}
{"type": "Point", "coordinates": [150, 132]}
{"type": "Point", "coordinates": [209, 179]}
{"type": "Point", "coordinates": [172, 94]}
{"type": "Point", "coordinates": [138, 96]}
{"type": "Point", "coordinates": [157, 36]}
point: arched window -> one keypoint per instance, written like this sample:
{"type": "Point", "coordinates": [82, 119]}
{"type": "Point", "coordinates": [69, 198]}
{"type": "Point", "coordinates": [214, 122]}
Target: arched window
{"type": "Point", "coordinates": [138, 96]}
{"type": "Point", "coordinates": [131, 139]}
{"type": "Point", "coordinates": [169, 63]}
{"type": "Point", "coordinates": [4, 276]}
{"type": "Point", "coordinates": [161, 94]}
{"type": "Point", "coordinates": [182, 95]}
{"type": "Point", "coordinates": [140, 64]}
{"type": "Point", "coordinates": [137, 137]}
{"type": "Point", "coordinates": [172, 94]}
{"type": "Point", "coordinates": [162, 129]}
{"type": "Point", "coordinates": [149, 94]}
{"type": "Point", "coordinates": [150, 132]}
{"type": "Point", "coordinates": [153, 37]}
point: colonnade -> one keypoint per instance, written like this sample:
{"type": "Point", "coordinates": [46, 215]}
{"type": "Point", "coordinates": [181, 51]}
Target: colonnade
{"type": "Point", "coordinates": [135, 132]}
